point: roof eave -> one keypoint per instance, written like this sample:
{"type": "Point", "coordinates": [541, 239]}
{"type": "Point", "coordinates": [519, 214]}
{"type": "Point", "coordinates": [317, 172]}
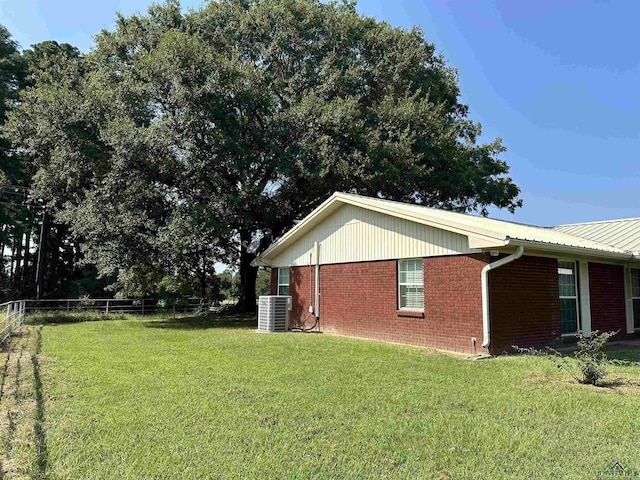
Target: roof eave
{"type": "Point", "coordinates": [306, 221]}
{"type": "Point", "coordinates": [482, 237]}
{"type": "Point", "coordinates": [572, 250]}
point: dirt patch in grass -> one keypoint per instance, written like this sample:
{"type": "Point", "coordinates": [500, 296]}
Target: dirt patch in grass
{"type": "Point", "coordinates": [22, 437]}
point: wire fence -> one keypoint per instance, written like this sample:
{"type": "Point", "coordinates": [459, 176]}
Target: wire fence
{"type": "Point", "coordinates": [148, 306]}
{"type": "Point", "coordinates": [16, 311]}
{"type": "Point", "coordinates": [14, 316]}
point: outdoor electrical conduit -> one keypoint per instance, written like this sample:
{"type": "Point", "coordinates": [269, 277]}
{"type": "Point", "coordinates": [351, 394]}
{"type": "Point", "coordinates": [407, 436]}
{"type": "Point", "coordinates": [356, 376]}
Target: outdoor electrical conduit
{"type": "Point", "coordinates": [316, 250]}
{"type": "Point", "coordinates": [486, 320]}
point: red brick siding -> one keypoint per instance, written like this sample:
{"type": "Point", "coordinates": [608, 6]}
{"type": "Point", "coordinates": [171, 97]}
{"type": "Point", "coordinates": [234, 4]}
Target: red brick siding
{"type": "Point", "coordinates": [453, 301]}
{"type": "Point", "coordinates": [524, 303]}
{"type": "Point", "coordinates": [274, 281]}
{"type": "Point", "coordinates": [360, 299]}
{"type": "Point", "coordinates": [302, 290]}
{"type": "Point", "coordinates": [606, 285]}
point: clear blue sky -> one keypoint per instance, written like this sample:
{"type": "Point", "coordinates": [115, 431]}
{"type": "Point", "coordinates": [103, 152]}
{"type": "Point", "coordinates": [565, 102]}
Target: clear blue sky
{"type": "Point", "coordinates": [556, 79]}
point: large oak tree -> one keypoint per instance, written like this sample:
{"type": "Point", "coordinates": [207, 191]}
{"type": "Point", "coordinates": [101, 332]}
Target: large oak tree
{"type": "Point", "coordinates": [229, 123]}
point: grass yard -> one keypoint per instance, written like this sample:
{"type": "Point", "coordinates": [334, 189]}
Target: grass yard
{"type": "Point", "coordinates": [158, 398]}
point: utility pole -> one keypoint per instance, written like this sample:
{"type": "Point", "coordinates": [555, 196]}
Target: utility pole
{"type": "Point", "coordinates": [42, 255]}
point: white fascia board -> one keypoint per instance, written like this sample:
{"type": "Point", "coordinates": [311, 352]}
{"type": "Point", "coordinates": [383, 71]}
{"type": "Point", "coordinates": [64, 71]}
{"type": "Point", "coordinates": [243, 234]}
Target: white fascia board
{"type": "Point", "coordinates": [259, 262]}
{"type": "Point", "coordinates": [483, 242]}
{"type": "Point", "coordinates": [488, 237]}
{"type": "Point", "coordinates": [478, 237]}
{"type": "Point", "coordinates": [301, 227]}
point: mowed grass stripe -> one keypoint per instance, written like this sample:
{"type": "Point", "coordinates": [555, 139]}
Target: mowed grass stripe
{"type": "Point", "coordinates": [127, 399]}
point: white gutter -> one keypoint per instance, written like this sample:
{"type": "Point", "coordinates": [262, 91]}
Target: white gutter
{"type": "Point", "coordinates": [486, 321]}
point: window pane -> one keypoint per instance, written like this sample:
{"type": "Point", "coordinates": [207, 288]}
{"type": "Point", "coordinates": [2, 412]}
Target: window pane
{"type": "Point", "coordinates": [412, 297]}
{"type": "Point", "coordinates": [635, 282]}
{"type": "Point", "coordinates": [283, 290]}
{"type": "Point", "coordinates": [567, 279]}
{"type": "Point", "coordinates": [414, 276]}
{"type": "Point", "coordinates": [283, 276]}
{"type": "Point", "coordinates": [636, 313]}
{"type": "Point", "coordinates": [568, 315]}
{"type": "Point", "coordinates": [411, 271]}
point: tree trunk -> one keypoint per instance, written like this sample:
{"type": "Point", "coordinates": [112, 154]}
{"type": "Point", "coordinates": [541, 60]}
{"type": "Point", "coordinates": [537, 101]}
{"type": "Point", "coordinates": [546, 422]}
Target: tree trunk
{"type": "Point", "coordinates": [18, 273]}
{"type": "Point", "coordinates": [42, 255]}
{"type": "Point", "coordinates": [11, 265]}
{"type": "Point", "coordinates": [27, 257]}
{"type": "Point", "coordinates": [202, 277]}
{"type": "Point", "coordinates": [248, 275]}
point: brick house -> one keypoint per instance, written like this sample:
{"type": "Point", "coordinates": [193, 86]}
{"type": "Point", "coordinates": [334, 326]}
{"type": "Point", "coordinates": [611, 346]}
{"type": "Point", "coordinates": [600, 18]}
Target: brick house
{"type": "Point", "coordinates": [378, 269]}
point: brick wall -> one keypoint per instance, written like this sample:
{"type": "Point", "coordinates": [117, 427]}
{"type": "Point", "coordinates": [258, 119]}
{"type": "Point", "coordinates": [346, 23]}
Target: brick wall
{"type": "Point", "coordinates": [606, 284]}
{"type": "Point", "coordinates": [360, 299]}
{"type": "Point", "coordinates": [524, 305]}
{"type": "Point", "coordinates": [274, 281]}
{"type": "Point", "coordinates": [302, 290]}
{"type": "Point", "coordinates": [453, 301]}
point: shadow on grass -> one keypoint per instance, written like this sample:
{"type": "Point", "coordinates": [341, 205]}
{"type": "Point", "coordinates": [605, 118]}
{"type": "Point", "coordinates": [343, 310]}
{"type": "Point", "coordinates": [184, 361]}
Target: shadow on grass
{"type": "Point", "coordinates": [71, 317]}
{"type": "Point", "coordinates": [617, 382]}
{"type": "Point", "coordinates": [624, 355]}
{"type": "Point", "coordinates": [246, 321]}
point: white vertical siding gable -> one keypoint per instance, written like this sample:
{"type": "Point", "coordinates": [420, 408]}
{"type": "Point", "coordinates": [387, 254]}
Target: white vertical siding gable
{"type": "Point", "coordinates": [354, 234]}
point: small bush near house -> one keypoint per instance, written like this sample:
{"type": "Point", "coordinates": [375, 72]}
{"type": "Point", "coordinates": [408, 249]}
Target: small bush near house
{"type": "Point", "coordinates": [588, 364]}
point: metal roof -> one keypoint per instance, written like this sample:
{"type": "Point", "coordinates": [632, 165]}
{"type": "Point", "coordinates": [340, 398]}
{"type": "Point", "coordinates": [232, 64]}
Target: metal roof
{"type": "Point", "coordinates": [482, 232]}
{"type": "Point", "coordinates": [623, 233]}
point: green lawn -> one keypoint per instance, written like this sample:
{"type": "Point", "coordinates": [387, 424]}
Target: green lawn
{"type": "Point", "coordinates": [134, 399]}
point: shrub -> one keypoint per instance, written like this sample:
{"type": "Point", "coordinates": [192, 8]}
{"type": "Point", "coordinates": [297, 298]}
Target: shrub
{"type": "Point", "coordinates": [588, 364]}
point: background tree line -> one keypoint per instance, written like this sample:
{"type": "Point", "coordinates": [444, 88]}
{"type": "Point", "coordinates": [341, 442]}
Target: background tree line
{"type": "Point", "coordinates": [28, 236]}
{"type": "Point", "coordinates": [182, 140]}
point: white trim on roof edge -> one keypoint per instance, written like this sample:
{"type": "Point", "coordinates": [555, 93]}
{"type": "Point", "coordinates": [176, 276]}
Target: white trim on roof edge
{"type": "Point", "coordinates": [492, 234]}
{"type": "Point", "coordinates": [571, 250]}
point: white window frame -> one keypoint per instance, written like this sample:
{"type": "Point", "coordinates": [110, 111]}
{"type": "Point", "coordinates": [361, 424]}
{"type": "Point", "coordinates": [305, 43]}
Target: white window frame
{"type": "Point", "coordinates": [407, 284]}
{"type": "Point", "coordinates": [631, 271]}
{"type": "Point", "coordinates": [280, 283]}
{"type": "Point", "coordinates": [576, 297]}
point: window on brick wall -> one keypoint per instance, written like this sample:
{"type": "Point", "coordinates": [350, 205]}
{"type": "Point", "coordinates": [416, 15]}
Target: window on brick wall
{"type": "Point", "coordinates": [283, 281]}
{"type": "Point", "coordinates": [635, 296]}
{"type": "Point", "coordinates": [410, 284]}
{"type": "Point", "coordinates": [568, 285]}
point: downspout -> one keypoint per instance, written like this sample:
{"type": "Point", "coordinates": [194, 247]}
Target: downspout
{"type": "Point", "coordinates": [316, 251]}
{"type": "Point", "coordinates": [486, 321]}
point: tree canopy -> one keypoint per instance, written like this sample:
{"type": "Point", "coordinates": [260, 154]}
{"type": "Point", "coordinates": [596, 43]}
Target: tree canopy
{"type": "Point", "coordinates": [185, 139]}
